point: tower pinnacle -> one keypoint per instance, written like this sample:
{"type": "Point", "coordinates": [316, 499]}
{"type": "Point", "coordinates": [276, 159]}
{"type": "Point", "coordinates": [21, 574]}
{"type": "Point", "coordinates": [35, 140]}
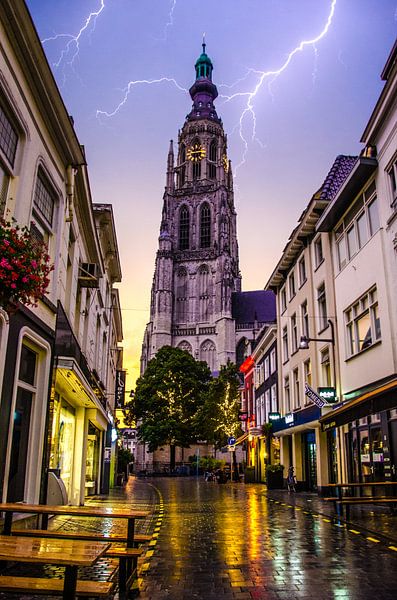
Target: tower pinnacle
{"type": "Point", "coordinates": [203, 92]}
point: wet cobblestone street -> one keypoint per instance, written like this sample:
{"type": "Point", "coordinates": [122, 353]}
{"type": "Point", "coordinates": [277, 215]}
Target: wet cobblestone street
{"type": "Point", "coordinates": [238, 541]}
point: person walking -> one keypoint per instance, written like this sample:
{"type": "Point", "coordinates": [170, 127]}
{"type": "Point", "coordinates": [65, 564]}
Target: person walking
{"type": "Point", "coordinates": [291, 479]}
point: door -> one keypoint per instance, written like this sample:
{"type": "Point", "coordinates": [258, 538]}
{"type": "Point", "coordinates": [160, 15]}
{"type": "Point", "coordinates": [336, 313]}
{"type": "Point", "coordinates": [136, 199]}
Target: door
{"type": "Point", "coordinates": [19, 446]}
{"type": "Point", "coordinates": [310, 452]}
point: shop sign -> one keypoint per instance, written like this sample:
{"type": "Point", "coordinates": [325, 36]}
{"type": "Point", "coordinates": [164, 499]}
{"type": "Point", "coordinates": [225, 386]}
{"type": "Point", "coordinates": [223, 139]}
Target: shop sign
{"type": "Point", "coordinates": [120, 388]}
{"type": "Point", "coordinates": [313, 396]}
{"type": "Point", "coordinates": [289, 419]}
{"type": "Point", "coordinates": [274, 416]}
{"type": "Point", "coordinates": [107, 454]}
{"type": "Point", "coordinates": [328, 394]}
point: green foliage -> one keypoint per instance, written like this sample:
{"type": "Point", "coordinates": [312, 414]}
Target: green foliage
{"type": "Point", "coordinates": [124, 457]}
{"type": "Point", "coordinates": [207, 463]}
{"type": "Point", "coordinates": [167, 398]}
{"type": "Point", "coordinates": [218, 418]}
{"type": "Point", "coordinates": [274, 468]}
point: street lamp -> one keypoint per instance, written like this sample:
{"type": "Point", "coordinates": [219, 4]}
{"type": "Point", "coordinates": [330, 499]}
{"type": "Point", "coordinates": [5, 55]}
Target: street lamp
{"type": "Point", "coordinates": [304, 345]}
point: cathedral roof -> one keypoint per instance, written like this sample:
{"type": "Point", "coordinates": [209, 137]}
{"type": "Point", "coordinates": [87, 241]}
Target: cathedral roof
{"type": "Point", "coordinates": [258, 305]}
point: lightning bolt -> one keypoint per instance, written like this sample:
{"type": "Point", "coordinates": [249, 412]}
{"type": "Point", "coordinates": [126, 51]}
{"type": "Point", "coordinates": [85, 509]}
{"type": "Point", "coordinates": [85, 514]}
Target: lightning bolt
{"type": "Point", "coordinates": [249, 111]}
{"type": "Point", "coordinates": [73, 45]}
{"type": "Point", "coordinates": [170, 21]}
{"type": "Point", "coordinates": [132, 84]}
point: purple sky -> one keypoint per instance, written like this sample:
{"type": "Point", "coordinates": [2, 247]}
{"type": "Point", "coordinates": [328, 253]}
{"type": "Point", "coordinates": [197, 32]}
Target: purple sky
{"type": "Point", "coordinates": [315, 109]}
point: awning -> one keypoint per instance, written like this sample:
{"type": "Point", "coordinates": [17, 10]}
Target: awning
{"type": "Point", "coordinates": [241, 438]}
{"type": "Point", "coordinates": [376, 400]}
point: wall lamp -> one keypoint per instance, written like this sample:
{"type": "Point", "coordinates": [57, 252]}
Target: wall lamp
{"type": "Point", "coordinates": [304, 341]}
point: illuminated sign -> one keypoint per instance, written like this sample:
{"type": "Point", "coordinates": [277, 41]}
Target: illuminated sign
{"type": "Point", "coordinates": [313, 396]}
{"type": "Point", "coordinates": [289, 419]}
{"type": "Point", "coordinates": [274, 416]}
{"type": "Point", "coordinates": [328, 394]}
{"type": "Point", "coordinates": [120, 388]}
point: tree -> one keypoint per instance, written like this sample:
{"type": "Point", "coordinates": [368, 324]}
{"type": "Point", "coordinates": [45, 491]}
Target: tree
{"type": "Point", "coordinates": [167, 398]}
{"type": "Point", "coordinates": [218, 418]}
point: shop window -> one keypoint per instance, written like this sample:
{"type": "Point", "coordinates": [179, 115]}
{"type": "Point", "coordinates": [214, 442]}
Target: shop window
{"type": "Point", "coordinates": [92, 460]}
{"type": "Point", "coordinates": [362, 323]}
{"type": "Point", "coordinates": [62, 441]}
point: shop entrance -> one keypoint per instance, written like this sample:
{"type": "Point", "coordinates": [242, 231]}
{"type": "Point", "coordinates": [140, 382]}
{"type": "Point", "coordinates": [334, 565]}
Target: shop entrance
{"type": "Point", "coordinates": [366, 450]}
{"type": "Point", "coordinates": [310, 459]}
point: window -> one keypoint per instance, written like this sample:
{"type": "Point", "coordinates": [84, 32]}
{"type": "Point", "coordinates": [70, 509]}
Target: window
{"type": "Point", "coordinates": [44, 198]}
{"type": "Point", "coordinates": [322, 307]}
{"type": "Point", "coordinates": [283, 299]}
{"type": "Point", "coordinates": [8, 137]}
{"type": "Point", "coordinates": [208, 354]}
{"type": "Point", "coordinates": [182, 154]}
{"type": "Point", "coordinates": [267, 402]}
{"type": "Point", "coordinates": [318, 252]}
{"type": "Point", "coordinates": [307, 370]}
{"type": "Point", "coordinates": [273, 360]}
{"type": "Point", "coordinates": [267, 372]}
{"type": "Point", "coordinates": [285, 344]}
{"type": "Point", "coordinates": [212, 157]}
{"type": "Point", "coordinates": [325, 368]}
{"type": "Point", "coordinates": [273, 395]}
{"type": "Point", "coordinates": [295, 375]}
{"type": "Point", "coordinates": [294, 328]}
{"type": "Point", "coordinates": [287, 397]}
{"type": "Point", "coordinates": [205, 226]}
{"type": "Point", "coordinates": [184, 228]}
{"type": "Point", "coordinates": [181, 296]}
{"type": "Point", "coordinates": [291, 286]}
{"type": "Point", "coordinates": [4, 182]}
{"type": "Point", "coordinates": [392, 173]}
{"type": "Point", "coordinates": [302, 271]}
{"type": "Point", "coordinates": [305, 319]}
{"type": "Point", "coordinates": [362, 323]}
{"type": "Point", "coordinates": [197, 170]}
{"type": "Point", "coordinates": [203, 277]}
{"type": "Point", "coordinates": [359, 224]}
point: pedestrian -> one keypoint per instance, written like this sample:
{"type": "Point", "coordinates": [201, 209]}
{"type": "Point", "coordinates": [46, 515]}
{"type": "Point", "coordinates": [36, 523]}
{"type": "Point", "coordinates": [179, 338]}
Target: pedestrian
{"type": "Point", "coordinates": [291, 480]}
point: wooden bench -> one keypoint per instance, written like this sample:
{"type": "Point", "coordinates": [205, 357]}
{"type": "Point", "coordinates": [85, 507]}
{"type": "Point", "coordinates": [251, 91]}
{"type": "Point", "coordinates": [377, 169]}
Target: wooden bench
{"type": "Point", "coordinates": [354, 500]}
{"type": "Point", "coordinates": [78, 535]}
{"type": "Point", "coordinates": [41, 585]}
{"type": "Point", "coordinates": [128, 564]}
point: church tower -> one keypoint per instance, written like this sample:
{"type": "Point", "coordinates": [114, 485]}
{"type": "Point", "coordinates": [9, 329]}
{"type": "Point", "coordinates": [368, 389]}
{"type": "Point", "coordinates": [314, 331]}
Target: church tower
{"type": "Point", "coordinates": [197, 266]}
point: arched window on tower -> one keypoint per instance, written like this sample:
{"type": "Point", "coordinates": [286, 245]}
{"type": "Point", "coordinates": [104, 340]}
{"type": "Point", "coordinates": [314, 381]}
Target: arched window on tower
{"type": "Point", "coordinates": [181, 293]}
{"type": "Point", "coordinates": [212, 159]}
{"type": "Point", "coordinates": [184, 222]}
{"type": "Point", "coordinates": [205, 226]}
{"type": "Point", "coordinates": [203, 293]}
{"type": "Point", "coordinates": [196, 167]}
{"type": "Point", "coordinates": [208, 354]}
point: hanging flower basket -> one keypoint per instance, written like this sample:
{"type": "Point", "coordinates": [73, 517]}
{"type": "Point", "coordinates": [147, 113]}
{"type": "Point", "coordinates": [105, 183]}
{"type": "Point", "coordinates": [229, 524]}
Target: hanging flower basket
{"type": "Point", "coordinates": [24, 267]}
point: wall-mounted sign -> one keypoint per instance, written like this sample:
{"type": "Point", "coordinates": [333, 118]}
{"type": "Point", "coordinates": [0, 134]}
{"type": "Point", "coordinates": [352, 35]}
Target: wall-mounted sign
{"type": "Point", "coordinates": [289, 419]}
{"type": "Point", "coordinates": [328, 394]}
{"type": "Point", "coordinates": [274, 416]}
{"type": "Point", "coordinates": [120, 388]}
{"type": "Point", "coordinates": [313, 396]}
{"type": "Point", "coordinates": [107, 454]}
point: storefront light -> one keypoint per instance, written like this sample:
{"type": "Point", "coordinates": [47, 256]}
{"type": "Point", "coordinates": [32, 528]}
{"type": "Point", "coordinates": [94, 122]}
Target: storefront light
{"type": "Point", "coordinates": [114, 434]}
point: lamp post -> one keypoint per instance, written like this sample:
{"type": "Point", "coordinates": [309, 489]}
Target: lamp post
{"type": "Point", "coordinates": [304, 345]}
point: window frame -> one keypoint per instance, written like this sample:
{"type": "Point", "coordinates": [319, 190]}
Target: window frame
{"type": "Point", "coordinates": [364, 309]}
{"type": "Point", "coordinates": [184, 228]}
{"type": "Point", "coordinates": [302, 271]}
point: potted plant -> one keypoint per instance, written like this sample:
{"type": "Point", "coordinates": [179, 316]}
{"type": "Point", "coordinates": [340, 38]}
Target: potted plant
{"type": "Point", "coordinates": [274, 477]}
{"type": "Point", "coordinates": [24, 267]}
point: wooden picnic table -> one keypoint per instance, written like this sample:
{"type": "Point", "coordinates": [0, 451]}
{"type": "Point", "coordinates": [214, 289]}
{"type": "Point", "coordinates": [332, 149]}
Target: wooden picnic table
{"type": "Point", "coordinates": [70, 553]}
{"type": "Point", "coordinates": [9, 508]}
{"type": "Point", "coordinates": [353, 484]}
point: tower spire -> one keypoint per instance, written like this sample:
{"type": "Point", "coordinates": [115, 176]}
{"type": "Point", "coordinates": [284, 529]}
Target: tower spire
{"type": "Point", "coordinates": [203, 92]}
{"type": "Point", "coordinates": [204, 44]}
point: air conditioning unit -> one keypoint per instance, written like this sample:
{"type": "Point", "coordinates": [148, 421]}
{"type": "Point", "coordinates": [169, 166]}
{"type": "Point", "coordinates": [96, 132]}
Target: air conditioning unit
{"type": "Point", "coordinates": [89, 275]}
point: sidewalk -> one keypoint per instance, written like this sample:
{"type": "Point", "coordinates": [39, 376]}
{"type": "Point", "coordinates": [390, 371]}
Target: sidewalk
{"type": "Point", "coordinates": [374, 519]}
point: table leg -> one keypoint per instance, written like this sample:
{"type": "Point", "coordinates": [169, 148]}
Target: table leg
{"type": "Point", "coordinates": [7, 523]}
{"type": "Point", "coordinates": [44, 521]}
{"type": "Point", "coordinates": [130, 543]}
{"type": "Point", "coordinates": [70, 583]}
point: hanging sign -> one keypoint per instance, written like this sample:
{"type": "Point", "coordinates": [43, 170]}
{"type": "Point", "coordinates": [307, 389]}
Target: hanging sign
{"type": "Point", "coordinates": [120, 388]}
{"type": "Point", "coordinates": [313, 396]}
{"type": "Point", "coordinates": [328, 394]}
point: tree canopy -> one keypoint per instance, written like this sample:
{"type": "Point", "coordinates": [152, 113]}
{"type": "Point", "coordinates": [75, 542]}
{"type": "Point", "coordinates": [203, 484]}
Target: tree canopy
{"type": "Point", "coordinates": [167, 398]}
{"type": "Point", "coordinates": [218, 417]}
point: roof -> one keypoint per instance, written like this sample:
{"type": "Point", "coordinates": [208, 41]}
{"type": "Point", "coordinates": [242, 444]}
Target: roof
{"type": "Point", "coordinates": [258, 305]}
{"type": "Point", "coordinates": [337, 175]}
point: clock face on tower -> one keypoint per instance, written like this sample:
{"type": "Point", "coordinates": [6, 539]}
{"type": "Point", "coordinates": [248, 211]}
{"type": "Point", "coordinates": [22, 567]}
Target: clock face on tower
{"type": "Point", "coordinates": [195, 153]}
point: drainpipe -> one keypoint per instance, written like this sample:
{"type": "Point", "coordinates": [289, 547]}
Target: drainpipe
{"type": "Point", "coordinates": [70, 173]}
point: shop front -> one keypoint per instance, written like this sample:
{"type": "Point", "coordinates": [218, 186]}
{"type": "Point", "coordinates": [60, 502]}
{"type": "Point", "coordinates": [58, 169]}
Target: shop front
{"type": "Point", "coordinates": [367, 425]}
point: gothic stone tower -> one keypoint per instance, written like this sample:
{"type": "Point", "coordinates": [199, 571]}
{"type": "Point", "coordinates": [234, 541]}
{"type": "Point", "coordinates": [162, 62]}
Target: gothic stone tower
{"type": "Point", "coordinates": [197, 261]}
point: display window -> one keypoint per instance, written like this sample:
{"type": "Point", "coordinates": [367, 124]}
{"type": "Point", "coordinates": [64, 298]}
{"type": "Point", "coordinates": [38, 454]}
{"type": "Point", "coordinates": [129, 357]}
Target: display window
{"type": "Point", "coordinates": [62, 442]}
{"type": "Point", "coordinates": [92, 461]}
